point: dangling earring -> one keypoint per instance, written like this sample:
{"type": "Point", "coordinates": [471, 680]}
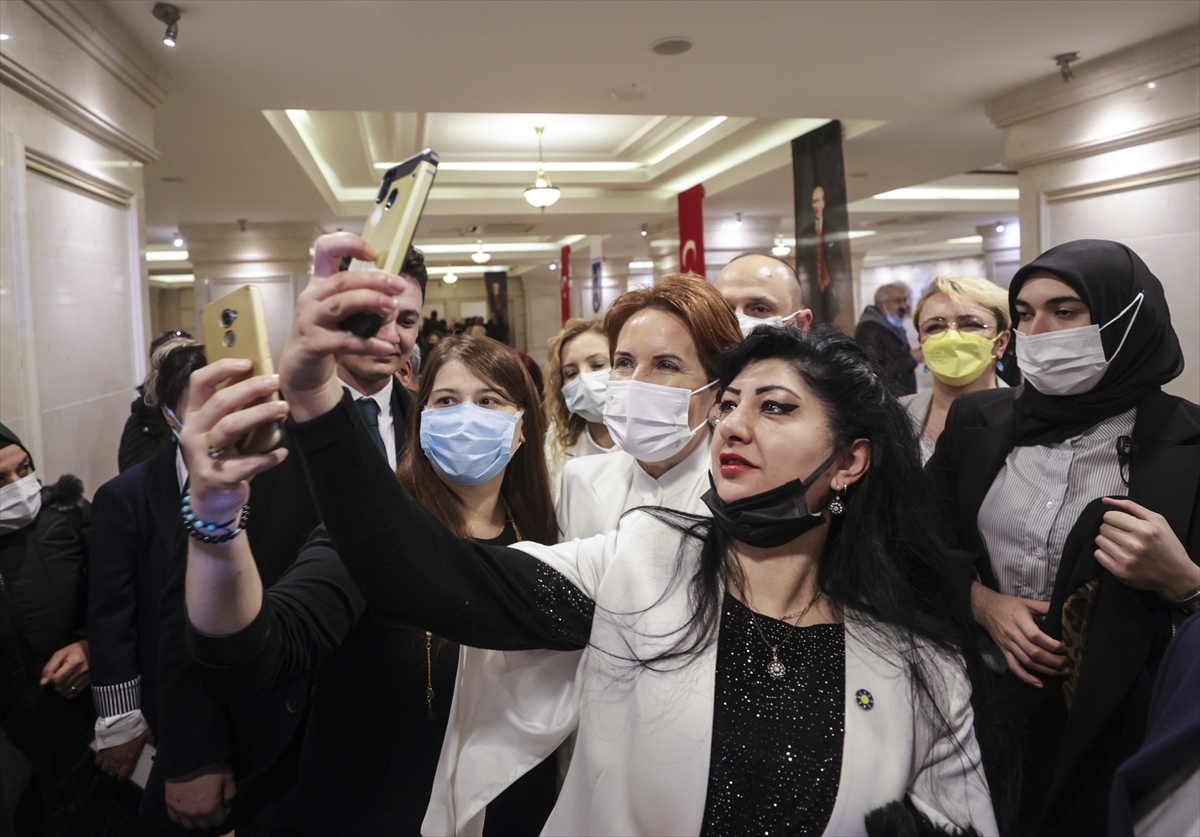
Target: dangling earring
{"type": "Point", "coordinates": [926, 369]}
{"type": "Point", "coordinates": [999, 366]}
{"type": "Point", "coordinates": [837, 506]}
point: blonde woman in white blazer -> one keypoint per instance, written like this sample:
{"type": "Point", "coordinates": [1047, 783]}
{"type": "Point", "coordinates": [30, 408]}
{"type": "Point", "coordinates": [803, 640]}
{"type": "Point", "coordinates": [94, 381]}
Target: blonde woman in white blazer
{"type": "Point", "coordinates": [767, 670]}
{"type": "Point", "coordinates": [665, 342]}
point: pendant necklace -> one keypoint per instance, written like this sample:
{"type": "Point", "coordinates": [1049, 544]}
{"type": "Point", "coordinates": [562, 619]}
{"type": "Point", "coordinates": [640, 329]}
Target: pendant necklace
{"type": "Point", "coordinates": [776, 668]}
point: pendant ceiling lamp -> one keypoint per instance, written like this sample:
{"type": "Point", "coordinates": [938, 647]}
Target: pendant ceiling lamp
{"type": "Point", "coordinates": [542, 193]}
{"type": "Point", "coordinates": [479, 256]}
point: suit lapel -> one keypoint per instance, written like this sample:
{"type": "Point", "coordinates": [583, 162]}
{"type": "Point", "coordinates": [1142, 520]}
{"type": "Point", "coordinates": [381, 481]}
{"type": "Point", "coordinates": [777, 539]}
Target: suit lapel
{"type": "Point", "coordinates": [983, 452]}
{"type": "Point", "coordinates": [164, 497]}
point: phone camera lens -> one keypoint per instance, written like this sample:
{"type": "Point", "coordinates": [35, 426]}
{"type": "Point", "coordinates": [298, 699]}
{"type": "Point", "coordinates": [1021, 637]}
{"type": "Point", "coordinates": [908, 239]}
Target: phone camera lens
{"type": "Point", "coordinates": [227, 318]}
{"type": "Point", "coordinates": [391, 199]}
{"type": "Point", "coordinates": [229, 339]}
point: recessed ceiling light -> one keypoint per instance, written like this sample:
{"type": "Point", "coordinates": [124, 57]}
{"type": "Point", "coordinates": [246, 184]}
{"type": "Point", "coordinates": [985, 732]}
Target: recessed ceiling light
{"type": "Point", "coordinates": [178, 240]}
{"type": "Point", "coordinates": [641, 265]}
{"type": "Point", "coordinates": [631, 92]}
{"type": "Point", "coordinates": [674, 45]}
{"type": "Point", "coordinates": [999, 228]}
{"type": "Point", "coordinates": [3, 36]}
{"type": "Point", "coordinates": [1151, 85]}
{"type": "Point", "coordinates": [554, 265]}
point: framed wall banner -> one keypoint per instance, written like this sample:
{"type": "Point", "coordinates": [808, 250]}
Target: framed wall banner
{"type": "Point", "coordinates": [822, 226]}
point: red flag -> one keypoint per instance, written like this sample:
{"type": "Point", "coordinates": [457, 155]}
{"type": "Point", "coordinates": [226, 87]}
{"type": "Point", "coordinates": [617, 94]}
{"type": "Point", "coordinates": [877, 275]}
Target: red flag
{"type": "Point", "coordinates": [565, 284]}
{"type": "Point", "coordinates": [691, 230]}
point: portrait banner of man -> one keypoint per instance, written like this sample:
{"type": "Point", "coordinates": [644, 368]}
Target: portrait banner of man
{"type": "Point", "coordinates": [822, 225]}
{"type": "Point", "coordinates": [496, 282]}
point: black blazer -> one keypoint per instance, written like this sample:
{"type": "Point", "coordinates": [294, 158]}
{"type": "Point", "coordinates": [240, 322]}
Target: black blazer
{"type": "Point", "coordinates": [1125, 645]}
{"type": "Point", "coordinates": [403, 403]}
{"type": "Point", "coordinates": [143, 633]}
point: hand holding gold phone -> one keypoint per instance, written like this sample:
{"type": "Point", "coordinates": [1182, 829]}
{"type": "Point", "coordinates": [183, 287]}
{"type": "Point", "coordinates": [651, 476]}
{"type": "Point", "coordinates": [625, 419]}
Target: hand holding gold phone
{"type": "Point", "coordinates": [236, 326]}
{"type": "Point", "coordinates": [392, 224]}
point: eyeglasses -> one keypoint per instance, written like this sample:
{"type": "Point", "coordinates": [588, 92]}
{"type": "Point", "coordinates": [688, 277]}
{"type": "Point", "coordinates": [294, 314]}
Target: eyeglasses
{"type": "Point", "coordinates": [968, 327]}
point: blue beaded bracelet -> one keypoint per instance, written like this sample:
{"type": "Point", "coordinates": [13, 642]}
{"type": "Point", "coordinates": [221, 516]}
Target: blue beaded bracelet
{"type": "Point", "coordinates": [212, 532]}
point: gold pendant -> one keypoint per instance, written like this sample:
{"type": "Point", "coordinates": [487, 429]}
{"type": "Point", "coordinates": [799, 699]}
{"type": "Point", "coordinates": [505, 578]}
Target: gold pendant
{"type": "Point", "coordinates": [775, 668]}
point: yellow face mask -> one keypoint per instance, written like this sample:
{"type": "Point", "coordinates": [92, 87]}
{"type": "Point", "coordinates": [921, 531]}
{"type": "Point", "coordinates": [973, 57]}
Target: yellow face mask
{"type": "Point", "coordinates": [958, 358]}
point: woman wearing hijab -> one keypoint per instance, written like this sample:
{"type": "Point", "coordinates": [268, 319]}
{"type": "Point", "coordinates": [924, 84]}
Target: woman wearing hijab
{"type": "Point", "coordinates": [788, 665]}
{"type": "Point", "coordinates": [1075, 497]}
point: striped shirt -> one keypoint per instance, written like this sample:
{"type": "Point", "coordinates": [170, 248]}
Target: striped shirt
{"type": "Point", "coordinates": [1038, 496]}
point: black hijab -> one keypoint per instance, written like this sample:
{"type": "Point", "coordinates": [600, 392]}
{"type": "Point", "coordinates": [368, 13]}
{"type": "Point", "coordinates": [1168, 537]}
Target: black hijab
{"type": "Point", "coordinates": [1107, 276]}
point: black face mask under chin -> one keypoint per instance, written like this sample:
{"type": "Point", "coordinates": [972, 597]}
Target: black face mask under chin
{"type": "Point", "coordinates": [772, 518]}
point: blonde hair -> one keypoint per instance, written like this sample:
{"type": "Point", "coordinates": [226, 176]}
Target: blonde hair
{"type": "Point", "coordinates": [968, 289]}
{"type": "Point", "coordinates": [563, 424]}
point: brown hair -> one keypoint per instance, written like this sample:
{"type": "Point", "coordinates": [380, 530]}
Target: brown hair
{"type": "Point", "coordinates": [526, 485]}
{"type": "Point", "coordinates": [704, 312]}
{"type": "Point", "coordinates": [567, 426]}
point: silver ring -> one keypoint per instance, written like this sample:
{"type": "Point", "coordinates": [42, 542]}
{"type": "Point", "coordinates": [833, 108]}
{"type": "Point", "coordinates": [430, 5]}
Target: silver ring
{"type": "Point", "coordinates": [74, 689]}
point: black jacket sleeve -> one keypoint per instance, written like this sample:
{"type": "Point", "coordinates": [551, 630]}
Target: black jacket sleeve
{"type": "Point", "coordinates": [112, 596]}
{"type": "Point", "coordinates": [414, 570]}
{"type": "Point", "coordinates": [305, 615]}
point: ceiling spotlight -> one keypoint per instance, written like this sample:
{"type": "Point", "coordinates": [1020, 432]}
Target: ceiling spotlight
{"type": "Point", "coordinates": [542, 193]}
{"type": "Point", "coordinates": [739, 219]}
{"type": "Point", "coordinates": [178, 241]}
{"type": "Point", "coordinates": [645, 232]}
{"type": "Point", "coordinates": [999, 228]}
{"type": "Point", "coordinates": [554, 265]}
{"type": "Point", "coordinates": [169, 15]}
{"type": "Point", "coordinates": [3, 36]}
{"type": "Point", "coordinates": [450, 278]}
{"type": "Point", "coordinates": [780, 249]}
{"type": "Point", "coordinates": [1064, 64]}
{"type": "Point", "coordinates": [480, 257]}
{"type": "Point", "coordinates": [1152, 85]}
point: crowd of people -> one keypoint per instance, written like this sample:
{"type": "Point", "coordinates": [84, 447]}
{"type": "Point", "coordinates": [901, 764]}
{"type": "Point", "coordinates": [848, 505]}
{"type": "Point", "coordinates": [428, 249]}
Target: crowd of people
{"type": "Point", "coordinates": [721, 571]}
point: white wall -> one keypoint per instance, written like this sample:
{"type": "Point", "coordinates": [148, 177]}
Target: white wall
{"type": "Point", "coordinates": [76, 109]}
{"type": "Point", "coordinates": [1109, 156]}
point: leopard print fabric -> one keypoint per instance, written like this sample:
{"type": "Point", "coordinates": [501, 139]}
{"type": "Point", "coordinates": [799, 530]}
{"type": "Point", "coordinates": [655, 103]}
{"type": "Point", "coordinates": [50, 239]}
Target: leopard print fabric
{"type": "Point", "coordinates": [1076, 622]}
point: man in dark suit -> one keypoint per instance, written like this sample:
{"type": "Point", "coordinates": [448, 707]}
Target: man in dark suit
{"type": "Point", "coordinates": [881, 335]}
{"type": "Point", "coordinates": [821, 257]}
{"type": "Point", "coordinates": [384, 403]}
{"type": "Point", "coordinates": [214, 759]}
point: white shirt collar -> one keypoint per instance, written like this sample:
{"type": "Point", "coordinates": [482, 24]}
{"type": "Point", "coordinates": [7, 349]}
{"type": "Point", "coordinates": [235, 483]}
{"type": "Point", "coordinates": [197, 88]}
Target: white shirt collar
{"type": "Point", "coordinates": [677, 481]}
{"type": "Point", "coordinates": [383, 398]}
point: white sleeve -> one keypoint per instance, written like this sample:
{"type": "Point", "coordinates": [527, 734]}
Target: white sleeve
{"type": "Point", "coordinates": [114, 730]}
{"type": "Point", "coordinates": [950, 787]}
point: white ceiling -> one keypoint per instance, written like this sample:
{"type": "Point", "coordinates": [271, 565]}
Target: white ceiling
{"type": "Point", "coordinates": [923, 69]}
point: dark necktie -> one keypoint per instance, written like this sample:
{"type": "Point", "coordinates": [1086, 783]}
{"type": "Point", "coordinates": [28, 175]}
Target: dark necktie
{"type": "Point", "coordinates": [369, 408]}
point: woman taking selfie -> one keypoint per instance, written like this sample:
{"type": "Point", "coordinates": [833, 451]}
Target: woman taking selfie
{"type": "Point", "coordinates": [665, 341]}
{"type": "Point", "coordinates": [740, 674]}
{"type": "Point", "coordinates": [576, 388]}
{"type": "Point", "coordinates": [962, 325]}
{"type": "Point", "coordinates": [383, 690]}
{"type": "Point", "coordinates": [1074, 499]}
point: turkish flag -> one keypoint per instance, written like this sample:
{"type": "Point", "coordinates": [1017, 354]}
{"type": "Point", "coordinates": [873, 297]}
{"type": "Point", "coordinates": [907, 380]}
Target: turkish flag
{"type": "Point", "coordinates": [565, 283]}
{"type": "Point", "coordinates": [691, 230]}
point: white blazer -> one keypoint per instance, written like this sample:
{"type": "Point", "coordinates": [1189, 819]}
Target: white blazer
{"type": "Point", "coordinates": [641, 761]}
{"type": "Point", "coordinates": [597, 490]}
{"type": "Point", "coordinates": [585, 445]}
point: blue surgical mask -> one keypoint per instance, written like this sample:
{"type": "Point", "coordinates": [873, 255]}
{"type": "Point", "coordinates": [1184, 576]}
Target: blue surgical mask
{"type": "Point", "coordinates": [898, 322]}
{"type": "Point", "coordinates": [468, 444]}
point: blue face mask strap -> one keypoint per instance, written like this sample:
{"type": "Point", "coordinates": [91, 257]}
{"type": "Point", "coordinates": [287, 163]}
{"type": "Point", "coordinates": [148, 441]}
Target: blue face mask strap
{"type": "Point", "coordinates": [174, 417]}
{"type": "Point", "coordinates": [1137, 300]}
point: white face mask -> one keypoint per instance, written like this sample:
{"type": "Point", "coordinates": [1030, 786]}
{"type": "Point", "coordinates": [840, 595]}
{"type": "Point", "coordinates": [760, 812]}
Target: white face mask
{"type": "Point", "coordinates": [20, 503]}
{"type": "Point", "coordinates": [748, 323]}
{"type": "Point", "coordinates": [1071, 361]}
{"type": "Point", "coordinates": [586, 393]}
{"type": "Point", "coordinates": [649, 421]}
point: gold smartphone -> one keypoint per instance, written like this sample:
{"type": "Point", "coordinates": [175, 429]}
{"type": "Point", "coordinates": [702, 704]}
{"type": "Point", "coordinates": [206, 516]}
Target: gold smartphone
{"type": "Point", "coordinates": [392, 224]}
{"type": "Point", "coordinates": [236, 326]}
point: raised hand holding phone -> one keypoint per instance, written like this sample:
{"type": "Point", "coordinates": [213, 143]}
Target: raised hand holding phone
{"type": "Point", "coordinates": [307, 368]}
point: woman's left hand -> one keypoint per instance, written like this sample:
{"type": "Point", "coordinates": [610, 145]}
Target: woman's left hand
{"type": "Point", "coordinates": [1139, 547]}
{"type": "Point", "coordinates": [215, 420]}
